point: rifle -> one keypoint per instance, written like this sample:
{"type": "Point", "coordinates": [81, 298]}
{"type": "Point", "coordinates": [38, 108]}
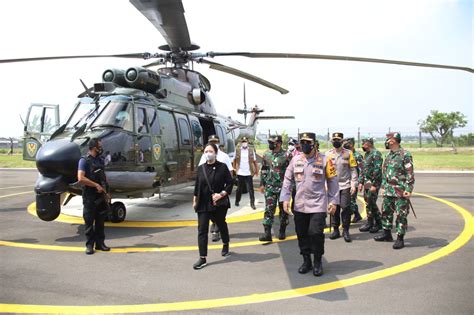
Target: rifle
{"type": "Point", "coordinates": [104, 195]}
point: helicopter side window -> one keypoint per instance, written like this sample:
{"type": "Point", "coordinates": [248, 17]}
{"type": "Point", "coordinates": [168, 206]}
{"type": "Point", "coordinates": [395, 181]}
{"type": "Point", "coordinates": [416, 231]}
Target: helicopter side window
{"type": "Point", "coordinates": [153, 121]}
{"type": "Point", "coordinates": [168, 129]}
{"type": "Point", "coordinates": [122, 119]}
{"type": "Point", "coordinates": [184, 130]}
{"type": "Point", "coordinates": [142, 126]}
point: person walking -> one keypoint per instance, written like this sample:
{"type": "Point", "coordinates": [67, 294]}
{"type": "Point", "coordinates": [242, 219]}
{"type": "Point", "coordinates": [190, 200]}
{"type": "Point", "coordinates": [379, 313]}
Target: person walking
{"type": "Point", "coordinates": [245, 166]}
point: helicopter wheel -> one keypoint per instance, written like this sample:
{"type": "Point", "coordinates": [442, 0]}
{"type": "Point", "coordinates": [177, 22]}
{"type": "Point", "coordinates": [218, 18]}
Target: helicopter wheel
{"type": "Point", "coordinates": [119, 211]}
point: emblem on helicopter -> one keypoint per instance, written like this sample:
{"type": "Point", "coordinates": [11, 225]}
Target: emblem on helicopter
{"type": "Point", "coordinates": [157, 151]}
{"type": "Point", "coordinates": [31, 148]}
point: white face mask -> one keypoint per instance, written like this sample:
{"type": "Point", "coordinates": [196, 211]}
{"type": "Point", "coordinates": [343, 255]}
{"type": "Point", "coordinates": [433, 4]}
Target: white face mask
{"type": "Point", "coordinates": [245, 145]}
{"type": "Point", "coordinates": [210, 156]}
{"type": "Point", "coordinates": [291, 147]}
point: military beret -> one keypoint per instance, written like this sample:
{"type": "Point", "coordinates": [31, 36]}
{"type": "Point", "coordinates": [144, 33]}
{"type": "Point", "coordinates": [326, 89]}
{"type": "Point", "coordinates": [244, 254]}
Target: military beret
{"type": "Point", "coordinates": [213, 138]}
{"type": "Point", "coordinates": [308, 136]}
{"type": "Point", "coordinates": [275, 138]}
{"type": "Point", "coordinates": [337, 135]}
{"type": "Point", "coordinates": [350, 140]}
{"type": "Point", "coordinates": [394, 135]}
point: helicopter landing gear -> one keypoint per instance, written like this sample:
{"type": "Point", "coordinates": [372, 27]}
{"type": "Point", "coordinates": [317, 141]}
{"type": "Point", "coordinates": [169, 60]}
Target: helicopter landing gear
{"type": "Point", "coordinates": [119, 211]}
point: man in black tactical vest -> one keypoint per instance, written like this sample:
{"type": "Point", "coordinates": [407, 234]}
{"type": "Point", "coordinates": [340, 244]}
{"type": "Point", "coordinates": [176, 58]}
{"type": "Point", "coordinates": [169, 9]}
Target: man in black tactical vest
{"type": "Point", "coordinates": [91, 174]}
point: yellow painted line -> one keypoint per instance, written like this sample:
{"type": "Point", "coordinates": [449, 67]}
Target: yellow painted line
{"type": "Point", "coordinates": [21, 193]}
{"type": "Point", "coordinates": [460, 241]}
{"type": "Point", "coordinates": [13, 187]}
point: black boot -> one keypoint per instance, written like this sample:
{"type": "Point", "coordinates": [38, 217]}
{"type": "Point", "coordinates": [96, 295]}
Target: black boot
{"type": "Point", "coordinates": [225, 250]}
{"type": "Point", "coordinates": [307, 265]}
{"type": "Point", "coordinates": [318, 267]}
{"type": "Point", "coordinates": [102, 247]}
{"type": "Point", "coordinates": [357, 217]}
{"type": "Point", "coordinates": [346, 235]}
{"type": "Point", "coordinates": [399, 244]}
{"type": "Point", "coordinates": [335, 234]}
{"type": "Point", "coordinates": [385, 236]}
{"type": "Point", "coordinates": [366, 227]}
{"type": "Point", "coordinates": [252, 205]}
{"type": "Point", "coordinates": [377, 226]}
{"type": "Point", "coordinates": [267, 235]}
{"type": "Point", "coordinates": [282, 234]}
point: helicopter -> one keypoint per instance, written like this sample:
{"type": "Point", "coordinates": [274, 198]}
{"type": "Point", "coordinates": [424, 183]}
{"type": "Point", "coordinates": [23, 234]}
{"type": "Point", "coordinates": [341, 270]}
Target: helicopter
{"type": "Point", "coordinates": [153, 124]}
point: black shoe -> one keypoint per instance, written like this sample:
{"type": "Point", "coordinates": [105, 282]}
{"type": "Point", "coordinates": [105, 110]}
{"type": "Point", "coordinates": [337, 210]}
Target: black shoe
{"type": "Point", "coordinates": [386, 236]}
{"type": "Point", "coordinates": [216, 236]}
{"type": "Point", "coordinates": [236, 204]}
{"type": "Point", "coordinates": [200, 263]}
{"type": "Point", "coordinates": [307, 265]}
{"type": "Point", "coordinates": [318, 267]}
{"type": "Point", "coordinates": [357, 218]}
{"type": "Point", "coordinates": [282, 234]}
{"type": "Point", "coordinates": [377, 227]}
{"type": "Point", "coordinates": [225, 250]}
{"type": "Point", "coordinates": [267, 235]}
{"type": "Point", "coordinates": [252, 205]}
{"type": "Point", "coordinates": [399, 244]}
{"type": "Point", "coordinates": [366, 227]}
{"type": "Point", "coordinates": [89, 250]}
{"type": "Point", "coordinates": [347, 236]}
{"type": "Point", "coordinates": [335, 234]}
{"type": "Point", "coordinates": [102, 247]}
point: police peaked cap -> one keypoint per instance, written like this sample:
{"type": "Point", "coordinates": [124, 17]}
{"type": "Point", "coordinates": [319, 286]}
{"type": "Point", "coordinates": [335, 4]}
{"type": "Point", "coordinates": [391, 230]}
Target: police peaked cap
{"type": "Point", "coordinates": [308, 136]}
{"type": "Point", "coordinates": [337, 135]}
{"type": "Point", "coordinates": [275, 138]}
{"type": "Point", "coordinates": [350, 140]}
{"type": "Point", "coordinates": [213, 138]}
{"type": "Point", "coordinates": [394, 135]}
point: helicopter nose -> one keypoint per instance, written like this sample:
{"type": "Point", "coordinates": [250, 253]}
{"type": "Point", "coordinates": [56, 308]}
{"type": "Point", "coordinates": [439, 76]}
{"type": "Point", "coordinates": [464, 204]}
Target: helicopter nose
{"type": "Point", "coordinates": [59, 157]}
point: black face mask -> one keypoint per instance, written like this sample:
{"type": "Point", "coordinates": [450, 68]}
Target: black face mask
{"type": "Point", "coordinates": [272, 146]}
{"type": "Point", "coordinates": [337, 144]}
{"type": "Point", "coordinates": [387, 145]}
{"type": "Point", "coordinates": [364, 149]}
{"type": "Point", "coordinates": [307, 148]}
{"type": "Point", "coordinates": [100, 151]}
{"type": "Point", "coordinates": [347, 146]}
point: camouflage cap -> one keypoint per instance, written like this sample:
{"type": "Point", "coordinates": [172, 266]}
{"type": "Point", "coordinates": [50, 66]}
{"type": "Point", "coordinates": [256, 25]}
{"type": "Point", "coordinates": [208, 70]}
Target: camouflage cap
{"type": "Point", "coordinates": [337, 135]}
{"type": "Point", "coordinates": [244, 139]}
{"type": "Point", "coordinates": [395, 135]}
{"type": "Point", "coordinates": [275, 138]}
{"type": "Point", "coordinates": [349, 140]}
{"type": "Point", "coordinates": [213, 138]}
{"type": "Point", "coordinates": [368, 139]}
{"type": "Point", "coordinates": [308, 136]}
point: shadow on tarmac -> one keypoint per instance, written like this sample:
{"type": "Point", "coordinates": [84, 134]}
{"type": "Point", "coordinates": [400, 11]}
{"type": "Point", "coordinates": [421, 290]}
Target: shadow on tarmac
{"type": "Point", "coordinates": [429, 242]}
{"type": "Point", "coordinates": [251, 258]}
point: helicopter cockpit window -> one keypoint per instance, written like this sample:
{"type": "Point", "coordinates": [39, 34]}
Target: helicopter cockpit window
{"type": "Point", "coordinates": [153, 121]}
{"type": "Point", "coordinates": [142, 126]}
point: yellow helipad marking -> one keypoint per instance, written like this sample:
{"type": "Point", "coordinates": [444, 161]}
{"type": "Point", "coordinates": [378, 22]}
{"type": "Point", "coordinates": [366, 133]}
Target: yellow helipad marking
{"type": "Point", "coordinates": [13, 187]}
{"type": "Point", "coordinates": [21, 193]}
{"type": "Point", "coordinates": [258, 215]}
{"type": "Point", "coordinates": [460, 241]}
{"type": "Point", "coordinates": [146, 249]}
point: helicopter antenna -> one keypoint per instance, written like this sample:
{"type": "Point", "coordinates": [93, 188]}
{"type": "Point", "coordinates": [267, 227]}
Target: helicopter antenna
{"type": "Point", "coordinates": [86, 88]}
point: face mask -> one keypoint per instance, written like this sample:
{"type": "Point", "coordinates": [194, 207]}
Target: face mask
{"type": "Point", "coordinates": [364, 149]}
{"type": "Point", "coordinates": [387, 145]}
{"type": "Point", "coordinates": [291, 148]}
{"type": "Point", "coordinates": [272, 146]}
{"type": "Point", "coordinates": [245, 145]}
{"type": "Point", "coordinates": [99, 150]}
{"type": "Point", "coordinates": [307, 148]}
{"type": "Point", "coordinates": [347, 146]}
{"type": "Point", "coordinates": [210, 156]}
{"type": "Point", "coordinates": [337, 144]}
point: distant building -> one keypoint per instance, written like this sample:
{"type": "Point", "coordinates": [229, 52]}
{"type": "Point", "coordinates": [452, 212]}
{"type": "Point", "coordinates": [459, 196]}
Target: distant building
{"type": "Point", "coordinates": [5, 143]}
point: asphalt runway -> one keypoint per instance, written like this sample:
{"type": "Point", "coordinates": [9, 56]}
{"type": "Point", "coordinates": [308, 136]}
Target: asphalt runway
{"type": "Point", "coordinates": [43, 267]}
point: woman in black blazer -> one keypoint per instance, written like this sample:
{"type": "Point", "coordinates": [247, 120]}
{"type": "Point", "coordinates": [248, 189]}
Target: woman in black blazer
{"type": "Point", "coordinates": [204, 200]}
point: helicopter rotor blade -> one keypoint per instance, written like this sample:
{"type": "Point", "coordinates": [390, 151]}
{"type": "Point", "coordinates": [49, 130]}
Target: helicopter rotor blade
{"type": "Point", "coordinates": [242, 74]}
{"type": "Point", "coordinates": [343, 58]}
{"type": "Point", "coordinates": [138, 55]}
{"type": "Point", "coordinates": [167, 16]}
{"type": "Point", "coordinates": [274, 117]}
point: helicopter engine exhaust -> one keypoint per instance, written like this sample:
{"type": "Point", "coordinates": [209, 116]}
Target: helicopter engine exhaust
{"type": "Point", "coordinates": [143, 79]}
{"type": "Point", "coordinates": [57, 162]}
{"type": "Point", "coordinates": [115, 75]}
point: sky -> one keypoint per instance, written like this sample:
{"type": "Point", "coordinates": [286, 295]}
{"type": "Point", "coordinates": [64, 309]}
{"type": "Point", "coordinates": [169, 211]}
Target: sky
{"type": "Point", "coordinates": [324, 95]}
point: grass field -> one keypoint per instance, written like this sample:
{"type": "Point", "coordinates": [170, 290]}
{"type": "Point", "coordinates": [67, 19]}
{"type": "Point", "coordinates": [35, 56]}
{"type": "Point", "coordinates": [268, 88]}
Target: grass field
{"type": "Point", "coordinates": [424, 159]}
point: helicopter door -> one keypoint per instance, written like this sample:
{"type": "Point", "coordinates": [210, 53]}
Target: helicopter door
{"type": "Point", "coordinates": [41, 121]}
{"type": "Point", "coordinates": [185, 155]}
{"type": "Point", "coordinates": [143, 146]}
{"type": "Point", "coordinates": [158, 159]}
{"type": "Point", "coordinates": [198, 140]}
{"type": "Point", "coordinates": [169, 149]}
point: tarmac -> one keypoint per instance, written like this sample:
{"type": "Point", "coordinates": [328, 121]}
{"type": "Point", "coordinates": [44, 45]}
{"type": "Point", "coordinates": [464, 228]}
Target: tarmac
{"type": "Point", "coordinates": [43, 267]}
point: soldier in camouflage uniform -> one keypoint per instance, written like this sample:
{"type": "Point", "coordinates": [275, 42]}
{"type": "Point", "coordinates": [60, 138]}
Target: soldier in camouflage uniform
{"type": "Point", "coordinates": [397, 186]}
{"type": "Point", "coordinates": [370, 180]}
{"type": "Point", "coordinates": [274, 164]}
{"type": "Point", "coordinates": [348, 143]}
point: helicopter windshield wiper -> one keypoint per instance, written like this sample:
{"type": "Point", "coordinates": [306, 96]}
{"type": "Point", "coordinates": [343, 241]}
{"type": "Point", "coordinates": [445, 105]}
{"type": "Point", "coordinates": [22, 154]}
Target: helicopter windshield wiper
{"type": "Point", "coordinates": [105, 126]}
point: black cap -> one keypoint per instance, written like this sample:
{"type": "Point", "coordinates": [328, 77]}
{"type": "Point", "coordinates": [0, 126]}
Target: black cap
{"type": "Point", "coordinates": [337, 135]}
{"type": "Point", "coordinates": [350, 140]}
{"type": "Point", "coordinates": [308, 136]}
{"type": "Point", "coordinates": [368, 139]}
{"type": "Point", "coordinates": [244, 139]}
{"type": "Point", "coordinates": [213, 138]}
{"type": "Point", "coordinates": [275, 138]}
{"type": "Point", "coordinates": [292, 141]}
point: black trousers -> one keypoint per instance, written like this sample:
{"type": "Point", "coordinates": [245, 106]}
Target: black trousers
{"type": "Point", "coordinates": [310, 231]}
{"type": "Point", "coordinates": [246, 181]}
{"type": "Point", "coordinates": [345, 206]}
{"type": "Point", "coordinates": [218, 217]}
{"type": "Point", "coordinates": [94, 217]}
